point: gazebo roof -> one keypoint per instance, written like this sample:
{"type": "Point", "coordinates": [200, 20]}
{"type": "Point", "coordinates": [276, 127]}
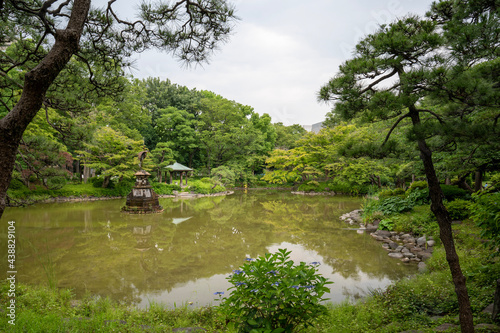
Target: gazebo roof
{"type": "Point", "coordinates": [178, 167]}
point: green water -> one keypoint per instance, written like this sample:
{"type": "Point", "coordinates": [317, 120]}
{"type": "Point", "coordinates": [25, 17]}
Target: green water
{"type": "Point", "coordinates": [183, 255]}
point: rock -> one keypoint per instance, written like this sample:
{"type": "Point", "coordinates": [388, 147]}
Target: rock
{"type": "Point", "coordinates": [383, 233]}
{"type": "Point", "coordinates": [371, 228]}
{"type": "Point", "coordinates": [422, 267]}
{"type": "Point", "coordinates": [360, 231]}
{"type": "Point", "coordinates": [405, 250]}
{"type": "Point", "coordinates": [415, 250]}
{"type": "Point", "coordinates": [444, 327]}
{"type": "Point", "coordinates": [421, 241]}
{"type": "Point", "coordinates": [405, 236]}
{"type": "Point", "coordinates": [489, 309]}
{"type": "Point", "coordinates": [189, 329]}
{"type": "Point", "coordinates": [431, 243]}
{"type": "Point", "coordinates": [412, 331]}
{"type": "Point", "coordinates": [405, 260]}
{"type": "Point", "coordinates": [393, 245]}
{"type": "Point", "coordinates": [396, 255]}
{"type": "Point", "coordinates": [400, 248]}
{"type": "Point", "coordinates": [408, 255]}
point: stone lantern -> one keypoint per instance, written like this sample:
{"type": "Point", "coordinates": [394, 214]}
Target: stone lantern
{"type": "Point", "coordinates": [142, 199]}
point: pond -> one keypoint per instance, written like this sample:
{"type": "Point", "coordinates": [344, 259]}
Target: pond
{"type": "Point", "coordinates": [184, 254]}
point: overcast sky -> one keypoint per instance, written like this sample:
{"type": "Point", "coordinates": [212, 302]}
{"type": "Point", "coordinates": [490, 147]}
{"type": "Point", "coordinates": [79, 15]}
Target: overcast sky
{"type": "Point", "coordinates": [281, 53]}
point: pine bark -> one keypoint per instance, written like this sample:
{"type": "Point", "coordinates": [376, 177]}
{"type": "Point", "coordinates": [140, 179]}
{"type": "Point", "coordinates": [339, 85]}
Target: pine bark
{"type": "Point", "coordinates": [36, 83]}
{"type": "Point", "coordinates": [445, 231]}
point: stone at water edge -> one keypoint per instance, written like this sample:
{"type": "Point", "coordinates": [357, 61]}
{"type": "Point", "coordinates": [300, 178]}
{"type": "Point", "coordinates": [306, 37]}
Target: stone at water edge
{"type": "Point", "coordinates": [396, 255]}
{"type": "Point", "coordinates": [421, 241]}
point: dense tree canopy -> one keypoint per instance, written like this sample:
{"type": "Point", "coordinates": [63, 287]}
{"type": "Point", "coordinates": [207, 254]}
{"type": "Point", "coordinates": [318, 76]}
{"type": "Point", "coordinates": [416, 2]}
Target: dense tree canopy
{"type": "Point", "coordinates": [57, 51]}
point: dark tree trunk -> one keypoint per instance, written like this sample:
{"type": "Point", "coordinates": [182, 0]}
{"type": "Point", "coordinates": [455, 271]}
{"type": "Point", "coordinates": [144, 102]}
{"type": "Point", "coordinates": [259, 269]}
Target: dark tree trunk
{"type": "Point", "coordinates": [36, 83]}
{"type": "Point", "coordinates": [462, 183]}
{"type": "Point", "coordinates": [478, 180]}
{"type": "Point", "coordinates": [105, 182]}
{"type": "Point", "coordinates": [496, 304]}
{"type": "Point", "coordinates": [445, 231]}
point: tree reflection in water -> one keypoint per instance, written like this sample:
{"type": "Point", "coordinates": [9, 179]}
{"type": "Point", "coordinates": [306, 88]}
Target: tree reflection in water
{"type": "Point", "coordinates": [184, 254]}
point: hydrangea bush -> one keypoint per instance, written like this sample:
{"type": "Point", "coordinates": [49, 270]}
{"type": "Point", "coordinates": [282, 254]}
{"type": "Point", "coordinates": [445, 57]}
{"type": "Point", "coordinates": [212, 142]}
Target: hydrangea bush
{"type": "Point", "coordinates": [272, 295]}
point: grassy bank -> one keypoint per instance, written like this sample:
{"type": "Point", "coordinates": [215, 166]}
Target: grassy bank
{"type": "Point", "coordinates": [19, 194]}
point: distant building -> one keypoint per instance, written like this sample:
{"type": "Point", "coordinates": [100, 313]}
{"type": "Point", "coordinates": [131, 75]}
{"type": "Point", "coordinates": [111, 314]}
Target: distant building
{"type": "Point", "coordinates": [314, 127]}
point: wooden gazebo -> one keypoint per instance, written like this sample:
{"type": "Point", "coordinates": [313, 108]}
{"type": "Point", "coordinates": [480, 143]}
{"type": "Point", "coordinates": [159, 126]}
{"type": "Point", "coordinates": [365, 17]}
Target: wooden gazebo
{"type": "Point", "coordinates": [180, 170]}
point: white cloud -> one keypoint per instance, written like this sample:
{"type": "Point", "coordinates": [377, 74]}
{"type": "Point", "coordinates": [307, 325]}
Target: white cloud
{"type": "Point", "coordinates": [282, 52]}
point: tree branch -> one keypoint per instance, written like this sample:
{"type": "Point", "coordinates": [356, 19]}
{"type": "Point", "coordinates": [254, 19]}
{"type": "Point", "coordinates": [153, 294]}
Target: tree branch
{"type": "Point", "coordinates": [394, 127]}
{"type": "Point", "coordinates": [371, 85]}
{"type": "Point", "coordinates": [433, 113]}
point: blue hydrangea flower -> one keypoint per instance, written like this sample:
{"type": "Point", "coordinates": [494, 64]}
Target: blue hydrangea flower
{"type": "Point", "coordinates": [296, 287]}
{"type": "Point", "coordinates": [308, 287]}
{"type": "Point", "coordinates": [255, 290]}
{"type": "Point", "coordinates": [240, 283]}
{"type": "Point", "coordinates": [219, 293]}
{"type": "Point", "coordinates": [275, 284]}
{"type": "Point", "coordinates": [237, 271]}
{"type": "Point", "coordinates": [249, 259]}
{"type": "Point", "coordinates": [315, 263]}
{"type": "Point", "coordinates": [273, 272]}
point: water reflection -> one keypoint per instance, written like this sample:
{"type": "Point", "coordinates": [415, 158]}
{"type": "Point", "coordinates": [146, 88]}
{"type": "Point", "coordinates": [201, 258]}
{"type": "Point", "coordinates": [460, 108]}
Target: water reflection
{"type": "Point", "coordinates": [184, 254]}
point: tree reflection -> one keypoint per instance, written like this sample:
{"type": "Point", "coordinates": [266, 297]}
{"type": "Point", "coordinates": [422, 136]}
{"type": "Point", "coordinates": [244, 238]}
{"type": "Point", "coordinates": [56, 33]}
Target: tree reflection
{"type": "Point", "coordinates": [96, 248]}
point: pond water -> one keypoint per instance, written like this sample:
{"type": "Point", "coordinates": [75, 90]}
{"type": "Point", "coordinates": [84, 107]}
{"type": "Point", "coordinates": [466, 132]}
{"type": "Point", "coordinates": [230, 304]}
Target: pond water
{"type": "Point", "coordinates": [184, 254]}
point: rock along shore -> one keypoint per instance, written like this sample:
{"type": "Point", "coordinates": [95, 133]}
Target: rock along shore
{"type": "Point", "coordinates": [403, 246]}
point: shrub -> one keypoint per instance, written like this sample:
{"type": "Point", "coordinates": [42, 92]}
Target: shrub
{"type": "Point", "coordinates": [271, 294]}
{"type": "Point", "coordinates": [16, 184]}
{"type": "Point", "coordinates": [420, 185]}
{"type": "Point", "coordinates": [394, 205]}
{"type": "Point", "coordinates": [451, 192]}
{"type": "Point", "coordinates": [391, 192]}
{"type": "Point", "coordinates": [458, 209]}
{"type": "Point", "coordinates": [486, 214]}
{"type": "Point", "coordinates": [386, 224]}
{"type": "Point", "coordinates": [165, 189]}
{"type": "Point", "coordinates": [418, 197]}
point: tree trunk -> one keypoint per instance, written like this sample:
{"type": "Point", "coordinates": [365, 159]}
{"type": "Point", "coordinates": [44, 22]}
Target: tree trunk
{"type": "Point", "coordinates": [496, 304]}
{"type": "Point", "coordinates": [86, 174]}
{"type": "Point", "coordinates": [105, 182]}
{"type": "Point", "coordinates": [478, 180]}
{"type": "Point", "coordinates": [36, 83]}
{"type": "Point", "coordinates": [462, 183]}
{"type": "Point", "coordinates": [445, 231]}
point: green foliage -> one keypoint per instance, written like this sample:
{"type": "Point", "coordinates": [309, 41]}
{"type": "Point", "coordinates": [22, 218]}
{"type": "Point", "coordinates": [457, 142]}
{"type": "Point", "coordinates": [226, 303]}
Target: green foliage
{"type": "Point", "coordinates": [271, 294]}
{"type": "Point", "coordinates": [424, 295]}
{"type": "Point", "coordinates": [164, 189]}
{"type": "Point", "coordinates": [98, 181]}
{"type": "Point", "coordinates": [451, 192]}
{"type": "Point", "coordinates": [202, 187]}
{"type": "Point", "coordinates": [391, 193]}
{"type": "Point", "coordinates": [420, 185]}
{"type": "Point", "coordinates": [394, 205]}
{"type": "Point", "coordinates": [458, 209]}
{"type": "Point", "coordinates": [486, 214]}
{"type": "Point", "coordinates": [418, 197]}
{"type": "Point", "coordinates": [223, 175]}
{"type": "Point", "coordinates": [386, 224]}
